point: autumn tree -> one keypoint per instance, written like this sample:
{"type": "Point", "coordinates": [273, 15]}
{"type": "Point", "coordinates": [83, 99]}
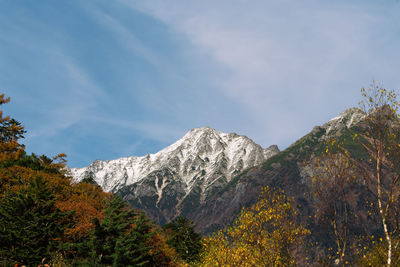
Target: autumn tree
{"type": "Point", "coordinates": [17, 172]}
{"type": "Point", "coordinates": [10, 131]}
{"type": "Point", "coordinates": [381, 140]}
{"type": "Point", "coordinates": [52, 217]}
{"type": "Point", "coordinates": [335, 202]}
{"type": "Point", "coordinates": [266, 234]}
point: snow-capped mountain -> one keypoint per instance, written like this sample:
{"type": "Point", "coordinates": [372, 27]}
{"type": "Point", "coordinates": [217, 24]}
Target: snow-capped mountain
{"type": "Point", "coordinates": [200, 153]}
{"type": "Point", "coordinates": [208, 176]}
{"type": "Point", "coordinates": [181, 175]}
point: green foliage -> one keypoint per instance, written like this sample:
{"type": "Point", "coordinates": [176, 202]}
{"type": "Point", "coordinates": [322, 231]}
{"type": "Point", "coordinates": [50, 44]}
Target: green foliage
{"type": "Point", "coordinates": [122, 237]}
{"type": "Point", "coordinates": [10, 129]}
{"type": "Point", "coordinates": [42, 215]}
{"type": "Point", "coordinates": [30, 224]}
{"type": "Point", "coordinates": [44, 219]}
{"type": "Point", "coordinates": [182, 237]}
{"type": "Point", "coordinates": [35, 162]}
{"type": "Point", "coordinates": [6, 134]}
{"type": "Point", "coordinates": [133, 248]}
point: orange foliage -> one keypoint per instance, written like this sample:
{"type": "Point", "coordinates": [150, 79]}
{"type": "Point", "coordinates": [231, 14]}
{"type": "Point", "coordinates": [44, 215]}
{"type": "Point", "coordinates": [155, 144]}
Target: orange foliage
{"type": "Point", "coordinates": [10, 131]}
{"type": "Point", "coordinates": [86, 202]}
{"type": "Point", "coordinates": [15, 177]}
{"type": "Point", "coordinates": [83, 201]}
{"type": "Point", "coordinates": [162, 253]}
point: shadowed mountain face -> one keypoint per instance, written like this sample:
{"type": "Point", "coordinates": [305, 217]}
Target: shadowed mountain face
{"type": "Point", "coordinates": [208, 176]}
{"type": "Point", "coordinates": [180, 178]}
{"type": "Point", "coordinates": [288, 170]}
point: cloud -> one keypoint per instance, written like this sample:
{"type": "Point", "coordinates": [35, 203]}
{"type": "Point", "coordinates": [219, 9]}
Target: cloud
{"type": "Point", "coordinates": [125, 37]}
{"type": "Point", "coordinates": [150, 130]}
{"type": "Point", "coordinates": [127, 76]}
{"type": "Point", "coordinates": [70, 102]}
{"type": "Point", "coordinates": [287, 59]}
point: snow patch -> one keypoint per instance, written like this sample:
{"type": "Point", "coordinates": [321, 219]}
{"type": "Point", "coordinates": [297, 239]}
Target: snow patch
{"type": "Point", "coordinates": [202, 152]}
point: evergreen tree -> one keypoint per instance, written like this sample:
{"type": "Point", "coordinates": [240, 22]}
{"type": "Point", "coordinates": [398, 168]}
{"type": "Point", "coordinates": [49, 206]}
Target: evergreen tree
{"type": "Point", "coordinates": [183, 238]}
{"type": "Point", "coordinates": [122, 238]}
{"type": "Point", "coordinates": [133, 248]}
{"type": "Point", "coordinates": [10, 131]}
{"type": "Point", "coordinates": [30, 224]}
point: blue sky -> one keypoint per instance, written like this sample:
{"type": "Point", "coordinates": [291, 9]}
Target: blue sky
{"type": "Point", "coordinates": [106, 79]}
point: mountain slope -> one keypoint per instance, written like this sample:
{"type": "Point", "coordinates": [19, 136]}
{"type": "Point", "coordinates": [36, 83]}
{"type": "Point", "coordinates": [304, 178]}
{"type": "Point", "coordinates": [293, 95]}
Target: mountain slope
{"type": "Point", "coordinates": [285, 170]}
{"type": "Point", "coordinates": [180, 177]}
{"type": "Point", "coordinates": [208, 176]}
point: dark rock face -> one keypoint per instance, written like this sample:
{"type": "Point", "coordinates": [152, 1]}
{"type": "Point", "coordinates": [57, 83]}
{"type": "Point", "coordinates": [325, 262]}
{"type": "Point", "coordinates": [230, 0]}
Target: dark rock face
{"type": "Point", "coordinates": [286, 170]}
{"type": "Point", "coordinates": [209, 176]}
{"type": "Point", "coordinates": [180, 178]}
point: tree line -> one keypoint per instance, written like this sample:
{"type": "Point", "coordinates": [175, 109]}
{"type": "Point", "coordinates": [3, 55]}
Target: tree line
{"type": "Point", "coordinates": [354, 188]}
{"type": "Point", "coordinates": [47, 219]}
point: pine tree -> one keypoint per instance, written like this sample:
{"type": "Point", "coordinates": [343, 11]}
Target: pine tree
{"type": "Point", "coordinates": [106, 232]}
{"type": "Point", "coordinates": [10, 131]}
{"type": "Point", "coordinates": [30, 224]}
{"type": "Point", "coordinates": [133, 248]}
{"type": "Point", "coordinates": [123, 237]}
{"type": "Point", "coordinates": [183, 238]}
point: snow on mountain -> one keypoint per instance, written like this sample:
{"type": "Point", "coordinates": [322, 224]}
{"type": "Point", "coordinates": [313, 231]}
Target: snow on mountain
{"type": "Point", "coordinates": [202, 152]}
{"type": "Point", "coordinates": [347, 118]}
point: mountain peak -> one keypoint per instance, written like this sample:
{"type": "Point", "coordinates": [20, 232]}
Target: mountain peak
{"type": "Point", "coordinates": [202, 152]}
{"type": "Point", "coordinates": [348, 118]}
{"type": "Point", "coordinates": [197, 132]}
{"type": "Point", "coordinates": [203, 129]}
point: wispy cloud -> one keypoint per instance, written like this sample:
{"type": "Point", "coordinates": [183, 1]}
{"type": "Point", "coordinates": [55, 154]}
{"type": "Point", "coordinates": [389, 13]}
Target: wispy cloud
{"type": "Point", "coordinates": [286, 59]}
{"type": "Point", "coordinates": [72, 102]}
{"type": "Point", "coordinates": [158, 131]}
{"type": "Point", "coordinates": [128, 77]}
{"type": "Point", "coordinates": [125, 37]}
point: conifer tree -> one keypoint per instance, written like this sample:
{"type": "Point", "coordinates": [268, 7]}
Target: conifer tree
{"type": "Point", "coordinates": [183, 238]}
{"type": "Point", "coordinates": [10, 131]}
{"type": "Point", "coordinates": [133, 248]}
{"type": "Point", "coordinates": [122, 238]}
{"type": "Point", "coordinates": [30, 224]}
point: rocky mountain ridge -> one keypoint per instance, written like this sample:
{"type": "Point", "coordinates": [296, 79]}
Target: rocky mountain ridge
{"type": "Point", "coordinates": [288, 170]}
{"type": "Point", "coordinates": [203, 149]}
{"type": "Point", "coordinates": [166, 182]}
{"type": "Point", "coordinates": [208, 176]}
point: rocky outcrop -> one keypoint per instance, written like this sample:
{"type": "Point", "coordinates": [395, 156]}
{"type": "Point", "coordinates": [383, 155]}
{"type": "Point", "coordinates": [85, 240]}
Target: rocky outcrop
{"type": "Point", "coordinates": [180, 178]}
{"type": "Point", "coordinates": [208, 176]}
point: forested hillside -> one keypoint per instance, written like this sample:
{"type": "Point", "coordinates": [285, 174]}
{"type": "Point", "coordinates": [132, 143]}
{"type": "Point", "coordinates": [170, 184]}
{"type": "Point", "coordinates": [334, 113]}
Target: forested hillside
{"type": "Point", "coordinates": [332, 198]}
{"type": "Point", "coordinates": [45, 219]}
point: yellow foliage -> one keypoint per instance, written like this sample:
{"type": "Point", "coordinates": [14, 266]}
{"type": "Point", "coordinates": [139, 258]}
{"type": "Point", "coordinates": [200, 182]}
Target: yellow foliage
{"type": "Point", "coordinates": [265, 234]}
